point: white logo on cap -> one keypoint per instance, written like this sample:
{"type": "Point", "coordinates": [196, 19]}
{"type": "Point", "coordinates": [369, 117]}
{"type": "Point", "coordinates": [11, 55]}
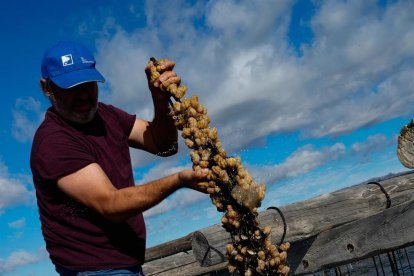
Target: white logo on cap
{"type": "Point", "coordinates": [84, 60]}
{"type": "Point", "coordinates": [67, 60]}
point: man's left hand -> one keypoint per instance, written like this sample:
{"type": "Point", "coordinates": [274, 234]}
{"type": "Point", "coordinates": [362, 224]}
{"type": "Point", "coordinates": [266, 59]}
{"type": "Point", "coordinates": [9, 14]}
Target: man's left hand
{"type": "Point", "coordinates": [167, 77]}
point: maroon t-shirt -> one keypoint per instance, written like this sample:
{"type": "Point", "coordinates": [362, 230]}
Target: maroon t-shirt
{"type": "Point", "coordinates": [77, 237]}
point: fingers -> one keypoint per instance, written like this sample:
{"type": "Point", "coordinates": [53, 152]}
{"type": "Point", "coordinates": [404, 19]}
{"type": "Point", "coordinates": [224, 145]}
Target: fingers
{"type": "Point", "coordinates": [189, 176]}
{"type": "Point", "coordinates": [165, 65]}
{"type": "Point", "coordinates": [201, 174]}
{"type": "Point", "coordinates": [194, 179]}
{"type": "Point", "coordinates": [199, 187]}
{"type": "Point", "coordinates": [167, 78]}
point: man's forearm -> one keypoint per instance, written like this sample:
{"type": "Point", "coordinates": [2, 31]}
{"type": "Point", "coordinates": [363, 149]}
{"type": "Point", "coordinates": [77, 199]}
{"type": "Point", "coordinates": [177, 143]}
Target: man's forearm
{"type": "Point", "coordinates": [163, 130]}
{"type": "Point", "coordinates": [127, 202]}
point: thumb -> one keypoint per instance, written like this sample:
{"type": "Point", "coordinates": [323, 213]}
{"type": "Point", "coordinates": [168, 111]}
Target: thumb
{"type": "Point", "coordinates": [200, 174]}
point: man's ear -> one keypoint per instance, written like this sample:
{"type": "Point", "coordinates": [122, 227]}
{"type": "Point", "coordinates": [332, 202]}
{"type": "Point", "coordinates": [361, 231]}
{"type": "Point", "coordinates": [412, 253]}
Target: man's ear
{"type": "Point", "coordinates": [45, 87]}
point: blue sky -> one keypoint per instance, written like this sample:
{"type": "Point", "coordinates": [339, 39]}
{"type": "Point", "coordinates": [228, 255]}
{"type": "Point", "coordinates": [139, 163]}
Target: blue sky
{"type": "Point", "coordinates": [310, 94]}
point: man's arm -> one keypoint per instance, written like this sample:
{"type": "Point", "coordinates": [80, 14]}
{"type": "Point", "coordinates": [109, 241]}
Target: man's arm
{"type": "Point", "coordinates": [159, 136]}
{"type": "Point", "coordinates": [91, 187]}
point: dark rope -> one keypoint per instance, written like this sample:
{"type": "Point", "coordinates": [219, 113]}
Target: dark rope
{"type": "Point", "coordinates": [284, 222]}
{"type": "Point", "coordinates": [384, 191]}
{"type": "Point", "coordinates": [222, 257]}
{"type": "Point", "coordinates": [205, 255]}
{"type": "Point", "coordinates": [203, 240]}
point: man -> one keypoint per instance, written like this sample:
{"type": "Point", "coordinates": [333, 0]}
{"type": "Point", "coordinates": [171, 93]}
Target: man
{"type": "Point", "coordinates": [90, 210]}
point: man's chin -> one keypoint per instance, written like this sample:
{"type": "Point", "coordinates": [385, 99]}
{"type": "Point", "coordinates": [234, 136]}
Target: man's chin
{"type": "Point", "coordinates": [83, 118]}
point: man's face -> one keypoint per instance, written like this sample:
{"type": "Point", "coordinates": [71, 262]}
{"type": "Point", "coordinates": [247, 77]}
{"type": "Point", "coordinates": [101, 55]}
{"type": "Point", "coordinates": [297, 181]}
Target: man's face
{"type": "Point", "coordinates": [77, 104]}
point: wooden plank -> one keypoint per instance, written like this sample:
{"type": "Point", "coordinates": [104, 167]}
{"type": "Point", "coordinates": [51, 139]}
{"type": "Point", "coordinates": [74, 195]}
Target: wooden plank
{"type": "Point", "coordinates": [194, 269]}
{"type": "Point", "coordinates": [159, 266]}
{"type": "Point", "coordinates": [390, 229]}
{"type": "Point", "coordinates": [308, 218]}
{"type": "Point", "coordinates": [179, 264]}
{"type": "Point", "coordinates": [169, 248]}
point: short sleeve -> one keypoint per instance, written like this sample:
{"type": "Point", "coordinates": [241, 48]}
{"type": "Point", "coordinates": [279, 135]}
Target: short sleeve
{"type": "Point", "coordinates": [60, 154]}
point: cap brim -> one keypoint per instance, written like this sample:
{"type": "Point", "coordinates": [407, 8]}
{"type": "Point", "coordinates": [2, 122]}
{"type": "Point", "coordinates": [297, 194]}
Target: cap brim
{"type": "Point", "coordinates": [77, 77]}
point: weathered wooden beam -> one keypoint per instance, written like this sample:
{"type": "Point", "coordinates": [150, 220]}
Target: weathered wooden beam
{"type": "Point", "coordinates": [180, 264]}
{"type": "Point", "coordinates": [308, 218]}
{"type": "Point", "coordinates": [167, 264]}
{"type": "Point", "coordinates": [169, 248]}
{"type": "Point", "coordinates": [389, 230]}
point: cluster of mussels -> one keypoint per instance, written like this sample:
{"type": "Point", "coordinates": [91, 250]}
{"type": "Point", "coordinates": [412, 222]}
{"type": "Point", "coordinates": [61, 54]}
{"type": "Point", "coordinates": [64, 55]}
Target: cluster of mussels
{"type": "Point", "coordinates": [231, 188]}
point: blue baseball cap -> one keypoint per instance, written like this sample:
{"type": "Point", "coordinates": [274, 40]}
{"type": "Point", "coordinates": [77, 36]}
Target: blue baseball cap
{"type": "Point", "coordinates": [68, 64]}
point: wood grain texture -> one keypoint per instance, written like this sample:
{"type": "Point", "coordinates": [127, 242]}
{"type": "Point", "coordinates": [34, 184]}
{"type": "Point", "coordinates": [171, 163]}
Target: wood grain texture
{"type": "Point", "coordinates": [169, 248]}
{"type": "Point", "coordinates": [390, 229]}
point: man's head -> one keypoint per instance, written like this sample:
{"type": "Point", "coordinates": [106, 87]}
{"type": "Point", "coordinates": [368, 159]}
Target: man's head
{"type": "Point", "coordinates": [69, 80]}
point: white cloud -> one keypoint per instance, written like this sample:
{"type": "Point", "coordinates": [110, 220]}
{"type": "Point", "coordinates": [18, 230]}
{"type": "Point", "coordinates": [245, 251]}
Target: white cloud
{"type": "Point", "coordinates": [178, 200]}
{"type": "Point", "coordinates": [12, 191]}
{"type": "Point", "coordinates": [367, 150]}
{"type": "Point", "coordinates": [302, 161]}
{"type": "Point", "coordinates": [20, 258]}
{"type": "Point", "coordinates": [372, 143]}
{"type": "Point", "coordinates": [27, 116]}
{"type": "Point", "coordinates": [162, 169]}
{"type": "Point", "coordinates": [20, 223]}
{"type": "Point", "coordinates": [331, 178]}
{"type": "Point", "coordinates": [211, 212]}
{"type": "Point", "coordinates": [307, 159]}
{"type": "Point", "coordinates": [235, 18]}
{"type": "Point", "coordinates": [353, 75]}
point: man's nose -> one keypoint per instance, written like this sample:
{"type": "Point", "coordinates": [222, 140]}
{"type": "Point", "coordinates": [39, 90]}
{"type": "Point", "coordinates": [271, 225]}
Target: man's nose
{"type": "Point", "coordinates": [83, 94]}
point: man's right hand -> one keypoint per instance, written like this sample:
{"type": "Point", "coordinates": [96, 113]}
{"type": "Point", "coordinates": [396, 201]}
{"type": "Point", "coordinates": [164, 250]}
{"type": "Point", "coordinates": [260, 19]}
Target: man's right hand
{"type": "Point", "coordinates": [191, 179]}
